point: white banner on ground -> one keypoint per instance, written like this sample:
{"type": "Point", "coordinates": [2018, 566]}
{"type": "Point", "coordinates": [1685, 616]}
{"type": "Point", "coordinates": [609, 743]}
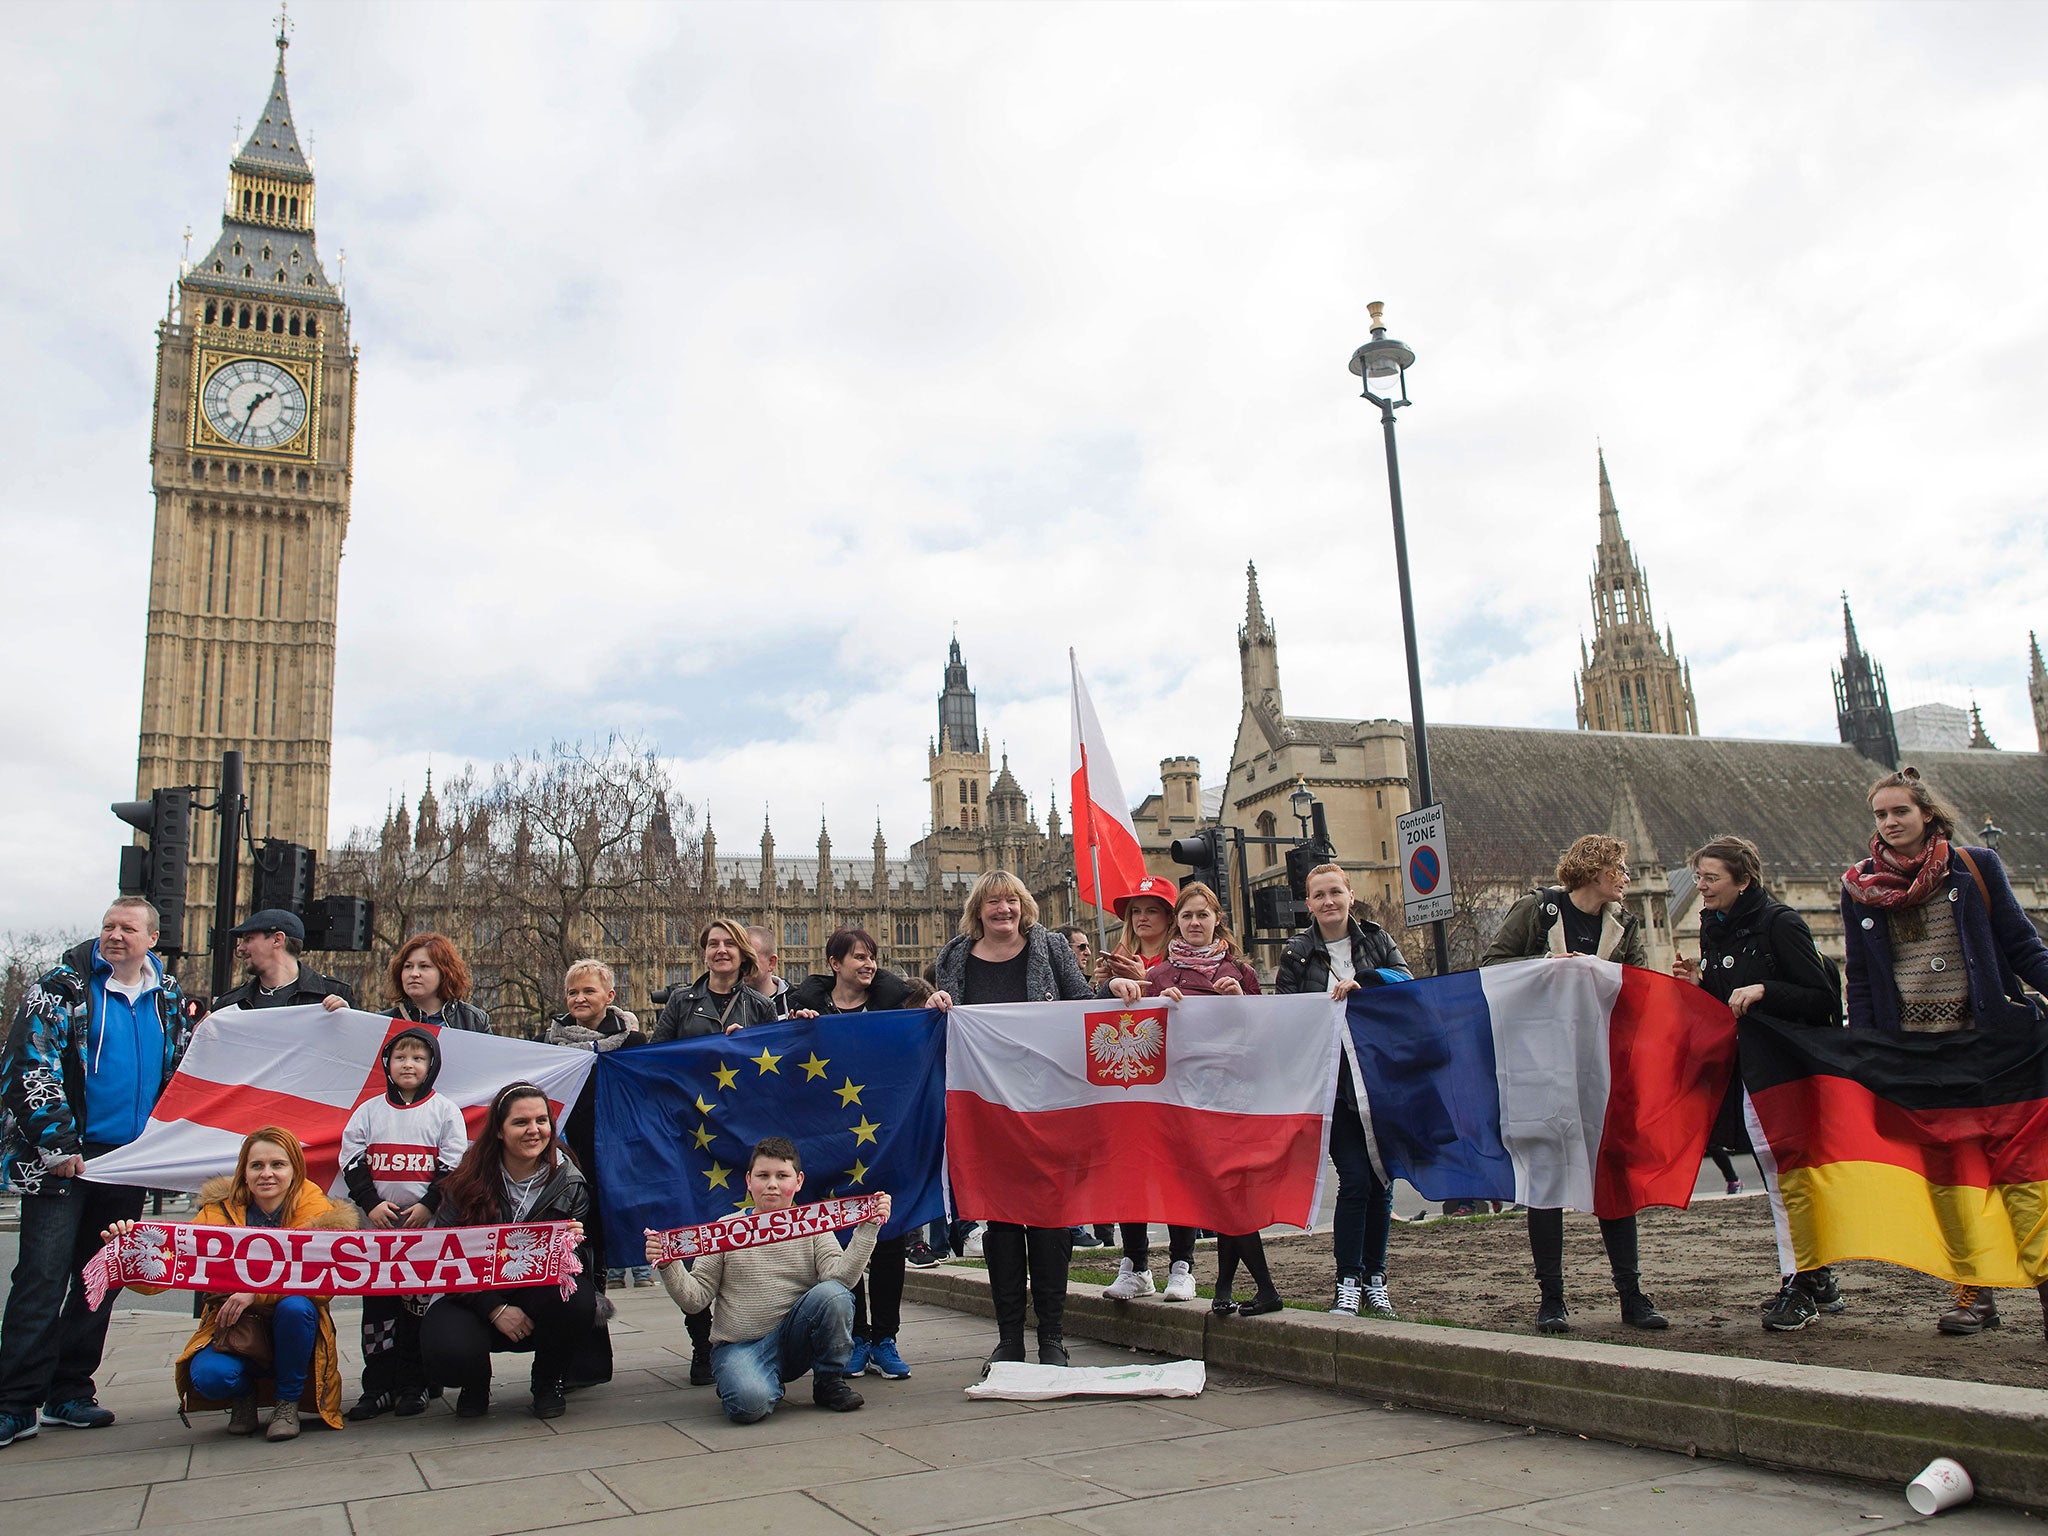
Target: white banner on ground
{"type": "Point", "coordinates": [1036, 1383]}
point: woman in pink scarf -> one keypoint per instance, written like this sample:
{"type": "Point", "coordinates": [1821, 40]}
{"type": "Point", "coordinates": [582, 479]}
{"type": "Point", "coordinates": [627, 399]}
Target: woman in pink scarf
{"type": "Point", "coordinates": [1203, 960]}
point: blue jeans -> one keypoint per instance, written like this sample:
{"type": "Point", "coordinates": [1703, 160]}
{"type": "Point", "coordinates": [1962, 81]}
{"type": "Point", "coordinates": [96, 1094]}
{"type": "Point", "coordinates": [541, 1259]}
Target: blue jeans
{"type": "Point", "coordinates": [50, 1340]}
{"type": "Point", "coordinates": [1365, 1206]}
{"type": "Point", "coordinates": [815, 1334]}
{"type": "Point", "coordinates": [294, 1327]}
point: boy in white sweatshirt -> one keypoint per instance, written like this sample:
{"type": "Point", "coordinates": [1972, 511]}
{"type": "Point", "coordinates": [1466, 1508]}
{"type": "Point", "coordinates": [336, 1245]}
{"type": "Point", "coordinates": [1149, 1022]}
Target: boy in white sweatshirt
{"type": "Point", "coordinates": [780, 1309]}
{"type": "Point", "coordinates": [394, 1151]}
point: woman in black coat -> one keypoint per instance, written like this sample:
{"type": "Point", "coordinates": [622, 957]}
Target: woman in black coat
{"type": "Point", "coordinates": [1756, 953]}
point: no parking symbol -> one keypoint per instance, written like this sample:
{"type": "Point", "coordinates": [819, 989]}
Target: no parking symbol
{"type": "Point", "coordinates": [1425, 865]}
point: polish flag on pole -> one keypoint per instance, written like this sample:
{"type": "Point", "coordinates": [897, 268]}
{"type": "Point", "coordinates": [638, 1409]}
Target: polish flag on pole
{"type": "Point", "coordinates": [1107, 860]}
{"type": "Point", "coordinates": [1211, 1112]}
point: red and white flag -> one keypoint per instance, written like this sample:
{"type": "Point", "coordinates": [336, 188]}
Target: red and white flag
{"type": "Point", "coordinates": [306, 1070]}
{"type": "Point", "coordinates": [1212, 1112]}
{"type": "Point", "coordinates": [1104, 835]}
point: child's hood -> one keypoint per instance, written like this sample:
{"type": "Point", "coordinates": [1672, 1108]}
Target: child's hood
{"type": "Point", "coordinates": [425, 1037]}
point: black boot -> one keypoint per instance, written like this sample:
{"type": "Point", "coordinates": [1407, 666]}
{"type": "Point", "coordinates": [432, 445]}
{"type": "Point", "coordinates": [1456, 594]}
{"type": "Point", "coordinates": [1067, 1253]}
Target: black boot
{"type": "Point", "coordinates": [1552, 1316]}
{"type": "Point", "coordinates": [699, 1326]}
{"type": "Point", "coordinates": [1638, 1311]}
{"type": "Point", "coordinates": [1003, 1249]}
{"type": "Point", "coordinates": [1051, 1251]}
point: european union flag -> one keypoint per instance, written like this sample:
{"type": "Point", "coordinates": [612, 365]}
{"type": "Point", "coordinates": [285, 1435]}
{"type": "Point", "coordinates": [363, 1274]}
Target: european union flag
{"type": "Point", "coordinates": [863, 1096]}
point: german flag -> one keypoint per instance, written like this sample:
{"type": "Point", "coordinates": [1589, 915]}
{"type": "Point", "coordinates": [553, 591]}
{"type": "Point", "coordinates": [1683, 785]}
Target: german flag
{"type": "Point", "coordinates": [1928, 1151]}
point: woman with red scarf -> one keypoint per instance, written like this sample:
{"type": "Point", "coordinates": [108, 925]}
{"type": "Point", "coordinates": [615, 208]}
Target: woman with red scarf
{"type": "Point", "coordinates": [1203, 960]}
{"type": "Point", "coordinates": [1936, 942]}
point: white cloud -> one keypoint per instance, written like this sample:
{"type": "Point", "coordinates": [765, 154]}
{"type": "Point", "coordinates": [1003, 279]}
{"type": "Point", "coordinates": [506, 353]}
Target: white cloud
{"type": "Point", "coordinates": [718, 360]}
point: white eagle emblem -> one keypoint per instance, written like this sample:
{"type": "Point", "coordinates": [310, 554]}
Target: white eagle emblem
{"type": "Point", "coordinates": [1126, 1049]}
{"type": "Point", "coordinates": [149, 1252]}
{"type": "Point", "coordinates": [524, 1255]}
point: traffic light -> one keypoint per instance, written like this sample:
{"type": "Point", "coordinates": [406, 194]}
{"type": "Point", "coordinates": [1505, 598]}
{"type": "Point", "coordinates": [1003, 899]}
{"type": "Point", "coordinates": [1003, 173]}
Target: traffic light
{"type": "Point", "coordinates": [339, 923]}
{"type": "Point", "coordinates": [158, 871]}
{"type": "Point", "coordinates": [1208, 860]}
{"type": "Point", "coordinates": [1274, 907]}
{"type": "Point", "coordinates": [1302, 858]}
{"type": "Point", "coordinates": [283, 877]}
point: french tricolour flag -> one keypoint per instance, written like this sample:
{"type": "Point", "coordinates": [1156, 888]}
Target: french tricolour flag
{"type": "Point", "coordinates": [1212, 1112]}
{"type": "Point", "coordinates": [1572, 1082]}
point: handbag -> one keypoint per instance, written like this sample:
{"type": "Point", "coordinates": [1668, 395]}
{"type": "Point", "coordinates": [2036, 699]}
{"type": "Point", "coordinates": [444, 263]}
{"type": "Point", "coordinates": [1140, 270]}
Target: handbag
{"type": "Point", "coordinates": [248, 1337]}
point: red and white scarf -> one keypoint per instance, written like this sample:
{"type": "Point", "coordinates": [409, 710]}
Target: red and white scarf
{"type": "Point", "coordinates": [192, 1256]}
{"type": "Point", "coordinates": [1886, 880]}
{"type": "Point", "coordinates": [767, 1227]}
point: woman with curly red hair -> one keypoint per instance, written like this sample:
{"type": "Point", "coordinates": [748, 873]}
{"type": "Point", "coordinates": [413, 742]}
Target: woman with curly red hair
{"type": "Point", "coordinates": [430, 985]}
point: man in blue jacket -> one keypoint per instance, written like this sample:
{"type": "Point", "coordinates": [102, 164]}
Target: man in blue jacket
{"type": "Point", "coordinates": [94, 1043]}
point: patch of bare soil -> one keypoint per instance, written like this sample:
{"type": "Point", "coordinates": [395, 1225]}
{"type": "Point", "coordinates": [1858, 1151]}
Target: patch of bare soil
{"type": "Point", "coordinates": [1708, 1269]}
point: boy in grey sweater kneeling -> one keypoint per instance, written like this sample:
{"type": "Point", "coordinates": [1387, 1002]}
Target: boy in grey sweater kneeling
{"type": "Point", "coordinates": [780, 1309]}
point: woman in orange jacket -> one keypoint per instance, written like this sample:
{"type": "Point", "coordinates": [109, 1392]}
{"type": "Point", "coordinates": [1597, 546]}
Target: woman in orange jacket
{"type": "Point", "coordinates": [268, 1189]}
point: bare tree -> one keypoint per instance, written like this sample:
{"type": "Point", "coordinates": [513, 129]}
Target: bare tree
{"type": "Point", "coordinates": [566, 853]}
{"type": "Point", "coordinates": [24, 957]}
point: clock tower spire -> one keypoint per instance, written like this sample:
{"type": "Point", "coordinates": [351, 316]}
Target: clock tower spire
{"type": "Point", "coordinates": [250, 466]}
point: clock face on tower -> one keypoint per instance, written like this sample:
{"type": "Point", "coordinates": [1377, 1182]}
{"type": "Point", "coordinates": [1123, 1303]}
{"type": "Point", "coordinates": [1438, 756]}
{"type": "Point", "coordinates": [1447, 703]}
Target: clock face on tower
{"type": "Point", "coordinates": [253, 402]}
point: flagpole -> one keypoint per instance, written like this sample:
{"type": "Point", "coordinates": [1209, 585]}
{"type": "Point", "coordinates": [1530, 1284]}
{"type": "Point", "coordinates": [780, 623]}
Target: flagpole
{"type": "Point", "coordinates": [1087, 799]}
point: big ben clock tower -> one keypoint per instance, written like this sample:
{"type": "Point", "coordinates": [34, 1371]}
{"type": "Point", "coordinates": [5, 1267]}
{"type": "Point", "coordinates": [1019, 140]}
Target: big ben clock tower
{"type": "Point", "coordinates": [250, 462]}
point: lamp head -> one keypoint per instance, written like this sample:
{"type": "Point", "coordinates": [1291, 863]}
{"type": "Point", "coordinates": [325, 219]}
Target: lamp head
{"type": "Point", "coordinates": [1302, 801]}
{"type": "Point", "coordinates": [1382, 357]}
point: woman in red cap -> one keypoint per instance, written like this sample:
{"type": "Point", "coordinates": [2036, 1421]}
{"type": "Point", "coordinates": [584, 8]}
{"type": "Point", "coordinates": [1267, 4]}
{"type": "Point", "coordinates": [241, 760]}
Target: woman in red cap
{"type": "Point", "coordinates": [1147, 915]}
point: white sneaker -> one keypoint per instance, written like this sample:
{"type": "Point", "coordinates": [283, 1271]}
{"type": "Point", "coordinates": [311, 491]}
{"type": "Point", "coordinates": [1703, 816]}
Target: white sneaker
{"type": "Point", "coordinates": [1349, 1294]}
{"type": "Point", "coordinates": [1130, 1283]}
{"type": "Point", "coordinates": [1377, 1302]}
{"type": "Point", "coordinates": [1180, 1282]}
{"type": "Point", "coordinates": [972, 1248]}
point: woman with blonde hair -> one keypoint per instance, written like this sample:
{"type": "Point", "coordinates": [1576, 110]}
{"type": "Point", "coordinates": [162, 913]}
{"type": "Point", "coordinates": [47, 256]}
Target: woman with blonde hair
{"type": "Point", "coordinates": [251, 1349]}
{"type": "Point", "coordinates": [1003, 954]}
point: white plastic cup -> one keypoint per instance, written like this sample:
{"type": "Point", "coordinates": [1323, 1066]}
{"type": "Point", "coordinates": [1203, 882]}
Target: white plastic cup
{"type": "Point", "coordinates": [1943, 1485]}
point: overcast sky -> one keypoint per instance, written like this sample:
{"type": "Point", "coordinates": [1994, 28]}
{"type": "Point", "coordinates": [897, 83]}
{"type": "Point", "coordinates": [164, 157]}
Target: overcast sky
{"type": "Point", "coordinates": [718, 361]}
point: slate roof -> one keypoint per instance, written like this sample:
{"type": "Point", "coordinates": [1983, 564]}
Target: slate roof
{"type": "Point", "coordinates": [1516, 798]}
{"type": "Point", "coordinates": [264, 282]}
{"type": "Point", "coordinates": [273, 149]}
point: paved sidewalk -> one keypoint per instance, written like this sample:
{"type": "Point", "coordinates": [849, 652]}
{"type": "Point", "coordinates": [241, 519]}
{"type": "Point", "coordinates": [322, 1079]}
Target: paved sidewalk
{"type": "Point", "coordinates": [1247, 1456]}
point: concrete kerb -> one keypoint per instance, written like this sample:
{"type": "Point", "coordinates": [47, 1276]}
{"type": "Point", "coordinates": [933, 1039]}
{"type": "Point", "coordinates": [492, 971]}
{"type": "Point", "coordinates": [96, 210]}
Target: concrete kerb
{"type": "Point", "coordinates": [1865, 1424]}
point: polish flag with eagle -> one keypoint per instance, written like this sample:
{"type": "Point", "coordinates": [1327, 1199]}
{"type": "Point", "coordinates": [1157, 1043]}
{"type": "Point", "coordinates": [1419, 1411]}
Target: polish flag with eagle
{"type": "Point", "coordinates": [306, 1070]}
{"type": "Point", "coordinates": [1209, 1112]}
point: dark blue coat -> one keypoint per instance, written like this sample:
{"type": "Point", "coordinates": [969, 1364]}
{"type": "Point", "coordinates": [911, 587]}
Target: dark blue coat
{"type": "Point", "coordinates": [2000, 950]}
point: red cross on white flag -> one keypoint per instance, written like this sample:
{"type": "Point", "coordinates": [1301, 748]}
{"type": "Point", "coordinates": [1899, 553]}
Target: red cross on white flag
{"type": "Point", "coordinates": [306, 1070]}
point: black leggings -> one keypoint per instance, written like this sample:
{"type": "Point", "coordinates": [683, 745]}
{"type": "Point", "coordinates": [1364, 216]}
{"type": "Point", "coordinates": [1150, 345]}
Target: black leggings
{"type": "Point", "coordinates": [1546, 1246]}
{"type": "Point", "coordinates": [1249, 1248]}
{"type": "Point", "coordinates": [881, 1290]}
{"type": "Point", "coordinates": [458, 1342]}
{"type": "Point", "coordinates": [1137, 1236]}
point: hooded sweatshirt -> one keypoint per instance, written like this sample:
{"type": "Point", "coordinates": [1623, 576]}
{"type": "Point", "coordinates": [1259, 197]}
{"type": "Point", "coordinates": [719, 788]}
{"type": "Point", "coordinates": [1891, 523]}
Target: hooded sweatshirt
{"type": "Point", "coordinates": [123, 1052]}
{"type": "Point", "coordinates": [394, 1149]}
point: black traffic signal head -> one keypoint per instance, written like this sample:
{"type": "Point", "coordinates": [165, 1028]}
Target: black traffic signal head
{"type": "Point", "coordinates": [284, 877]}
{"type": "Point", "coordinates": [158, 871]}
{"type": "Point", "coordinates": [340, 923]}
{"type": "Point", "coordinates": [1205, 854]}
{"type": "Point", "coordinates": [1301, 858]}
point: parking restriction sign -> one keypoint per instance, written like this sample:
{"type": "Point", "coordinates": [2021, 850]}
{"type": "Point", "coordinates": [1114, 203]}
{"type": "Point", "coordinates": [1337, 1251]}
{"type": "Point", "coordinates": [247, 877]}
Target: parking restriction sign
{"type": "Point", "coordinates": [1425, 865]}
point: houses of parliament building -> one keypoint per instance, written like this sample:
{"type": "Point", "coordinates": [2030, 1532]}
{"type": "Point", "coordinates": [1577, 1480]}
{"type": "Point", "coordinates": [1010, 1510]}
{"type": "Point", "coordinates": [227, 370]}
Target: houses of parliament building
{"type": "Point", "coordinates": [251, 466]}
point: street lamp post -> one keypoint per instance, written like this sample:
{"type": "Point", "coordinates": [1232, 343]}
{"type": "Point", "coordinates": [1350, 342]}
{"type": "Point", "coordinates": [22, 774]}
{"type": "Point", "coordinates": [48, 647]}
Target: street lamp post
{"type": "Point", "coordinates": [1385, 358]}
{"type": "Point", "coordinates": [1302, 802]}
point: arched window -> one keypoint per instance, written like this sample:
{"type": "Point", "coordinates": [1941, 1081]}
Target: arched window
{"type": "Point", "coordinates": [295, 325]}
{"type": "Point", "coordinates": [199, 469]}
{"type": "Point", "coordinates": [1268, 828]}
{"type": "Point", "coordinates": [243, 322]}
{"type": "Point", "coordinates": [269, 476]}
{"type": "Point", "coordinates": [212, 311]}
{"type": "Point", "coordinates": [312, 325]}
{"type": "Point", "coordinates": [262, 319]}
{"type": "Point", "coordinates": [234, 474]}
{"type": "Point", "coordinates": [247, 270]}
{"type": "Point", "coordinates": [295, 210]}
{"type": "Point", "coordinates": [303, 481]}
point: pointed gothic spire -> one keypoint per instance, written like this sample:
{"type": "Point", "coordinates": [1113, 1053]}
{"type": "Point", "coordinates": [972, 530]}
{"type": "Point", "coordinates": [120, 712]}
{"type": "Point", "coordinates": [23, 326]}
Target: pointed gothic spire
{"type": "Point", "coordinates": [274, 145]}
{"type": "Point", "coordinates": [1863, 706]}
{"type": "Point", "coordinates": [1849, 628]}
{"type": "Point", "coordinates": [1258, 649]}
{"type": "Point", "coordinates": [1610, 515]}
{"type": "Point", "coordinates": [2037, 671]}
{"type": "Point", "coordinates": [1979, 740]}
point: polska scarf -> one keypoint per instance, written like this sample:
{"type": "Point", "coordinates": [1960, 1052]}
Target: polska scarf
{"type": "Point", "coordinates": [190, 1256]}
{"type": "Point", "coordinates": [1886, 880]}
{"type": "Point", "coordinates": [1203, 962]}
{"type": "Point", "coordinates": [755, 1230]}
